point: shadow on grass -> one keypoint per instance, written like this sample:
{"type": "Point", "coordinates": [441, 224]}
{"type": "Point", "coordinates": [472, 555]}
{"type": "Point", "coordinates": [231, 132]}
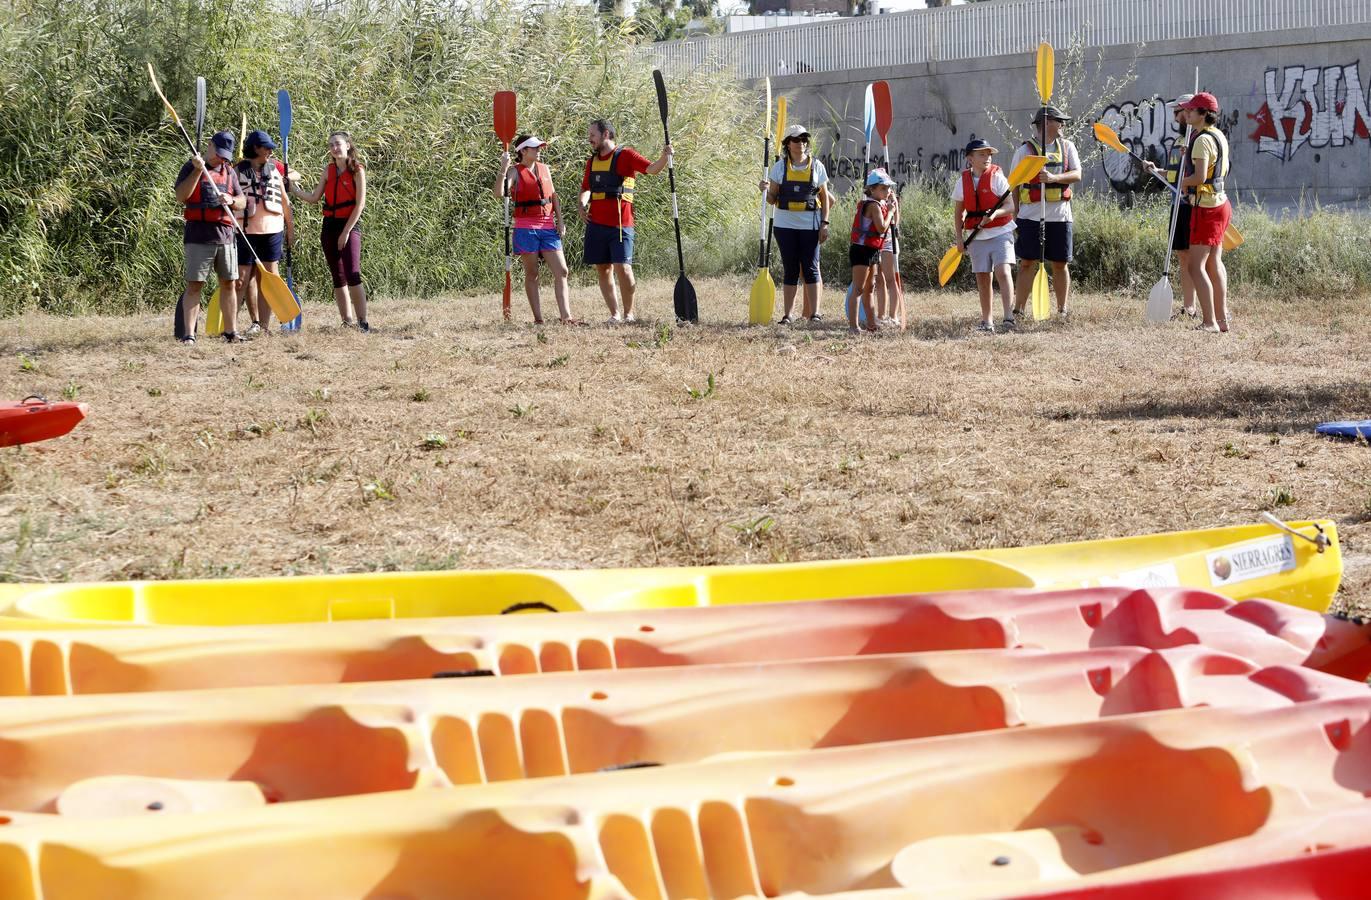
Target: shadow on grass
{"type": "Point", "coordinates": [1270, 410]}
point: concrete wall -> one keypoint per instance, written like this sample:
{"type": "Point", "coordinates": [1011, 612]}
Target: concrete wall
{"type": "Point", "coordinates": [1295, 109]}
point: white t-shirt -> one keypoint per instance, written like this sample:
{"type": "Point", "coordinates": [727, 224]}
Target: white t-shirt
{"type": "Point", "coordinates": [999, 184]}
{"type": "Point", "coordinates": [807, 220]}
{"type": "Point", "coordinates": [1060, 211]}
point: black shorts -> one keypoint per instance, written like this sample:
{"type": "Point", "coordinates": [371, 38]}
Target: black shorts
{"type": "Point", "coordinates": [1059, 242]}
{"type": "Point", "coordinates": [862, 255]}
{"type": "Point", "coordinates": [268, 246]}
{"type": "Point", "coordinates": [1182, 239]}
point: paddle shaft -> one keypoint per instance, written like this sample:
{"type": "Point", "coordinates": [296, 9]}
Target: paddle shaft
{"type": "Point", "coordinates": [782, 153]}
{"type": "Point", "coordinates": [761, 228]}
{"type": "Point", "coordinates": [670, 173]}
{"type": "Point", "coordinates": [1176, 204]}
{"type": "Point", "coordinates": [286, 118]}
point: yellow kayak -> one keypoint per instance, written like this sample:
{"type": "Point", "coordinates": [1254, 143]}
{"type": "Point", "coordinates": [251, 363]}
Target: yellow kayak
{"type": "Point", "coordinates": [1300, 565]}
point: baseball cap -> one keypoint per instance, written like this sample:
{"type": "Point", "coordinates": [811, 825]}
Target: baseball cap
{"type": "Point", "coordinates": [1202, 101]}
{"type": "Point", "coordinates": [879, 176]}
{"type": "Point", "coordinates": [1183, 99]}
{"type": "Point", "coordinates": [222, 141]}
{"type": "Point", "coordinates": [795, 131]}
{"type": "Point", "coordinates": [977, 144]}
{"type": "Point", "coordinates": [257, 139]}
{"type": "Point", "coordinates": [1051, 112]}
{"type": "Point", "coordinates": [531, 141]}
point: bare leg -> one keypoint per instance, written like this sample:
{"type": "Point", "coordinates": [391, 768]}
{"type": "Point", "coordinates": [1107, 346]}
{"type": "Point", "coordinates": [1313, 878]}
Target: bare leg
{"type": "Point", "coordinates": [623, 273]}
{"type": "Point", "coordinates": [812, 294]}
{"type": "Point", "coordinates": [1006, 283]}
{"type": "Point", "coordinates": [1218, 278]}
{"type": "Point", "coordinates": [607, 289]}
{"type": "Point", "coordinates": [859, 285]}
{"type": "Point", "coordinates": [1024, 283]}
{"type": "Point", "coordinates": [1204, 288]}
{"type": "Point", "coordinates": [869, 283]}
{"type": "Point", "coordinates": [359, 301]}
{"type": "Point", "coordinates": [228, 305]}
{"type": "Point", "coordinates": [983, 289]}
{"type": "Point", "coordinates": [263, 307]}
{"type": "Point", "coordinates": [189, 310]}
{"type": "Point", "coordinates": [1061, 284]}
{"type": "Point", "coordinates": [247, 289]}
{"type": "Point", "coordinates": [535, 303]}
{"type": "Point", "coordinates": [340, 297]}
{"type": "Point", "coordinates": [1187, 283]}
{"type": "Point", "coordinates": [556, 262]}
{"type": "Point", "coordinates": [788, 294]}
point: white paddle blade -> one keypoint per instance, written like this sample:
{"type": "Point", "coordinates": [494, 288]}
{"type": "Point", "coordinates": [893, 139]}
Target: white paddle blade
{"type": "Point", "coordinates": [1159, 301]}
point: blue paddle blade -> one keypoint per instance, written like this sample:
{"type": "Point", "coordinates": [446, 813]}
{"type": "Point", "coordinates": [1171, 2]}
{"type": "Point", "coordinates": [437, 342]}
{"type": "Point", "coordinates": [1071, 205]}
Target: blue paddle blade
{"type": "Point", "coordinates": [869, 115]}
{"type": "Point", "coordinates": [283, 111]}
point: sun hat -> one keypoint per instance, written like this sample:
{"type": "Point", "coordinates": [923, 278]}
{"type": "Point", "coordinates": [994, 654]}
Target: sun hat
{"type": "Point", "coordinates": [531, 141]}
{"type": "Point", "coordinates": [879, 176]}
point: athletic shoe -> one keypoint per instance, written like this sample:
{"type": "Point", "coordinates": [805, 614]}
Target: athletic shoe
{"type": "Point", "coordinates": [364, 327]}
{"type": "Point", "coordinates": [614, 320]}
{"type": "Point", "coordinates": [630, 319]}
{"type": "Point", "coordinates": [231, 337]}
{"type": "Point", "coordinates": [1009, 324]}
{"type": "Point", "coordinates": [188, 340]}
{"type": "Point", "coordinates": [987, 327]}
{"type": "Point", "coordinates": [255, 329]}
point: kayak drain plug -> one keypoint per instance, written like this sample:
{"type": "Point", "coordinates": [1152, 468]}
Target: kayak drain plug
{"type": "Point", "coordinates": [1000, 861]}
{"type": "Point", "coordinates": [155, 805]}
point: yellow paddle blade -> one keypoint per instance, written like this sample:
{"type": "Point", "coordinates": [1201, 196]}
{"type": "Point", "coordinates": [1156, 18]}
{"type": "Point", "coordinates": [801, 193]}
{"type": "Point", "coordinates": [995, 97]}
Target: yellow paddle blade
{"type": "Point", "coordinates": [780, 119]}
{"type": "Point", "coordinates": [279, 297]}
{"type": "Point", "coordinates": [1045, 63]}
{"type": "Point", "coordinates": [1027, 169]}
{"type": "Point", "coordinates": [1109, 137]}
{"type": "Point", "coordinates": [214, 316]}
{"type": "Point", "coordinates": [1042, 305]}
{"type": "Point", "coordinates": [242, 135]}
{"type": "Point", "coordinates": [947, 266]}
{"type": "Point", "coordinates": [165, 102]}
{"type": "Point", "coordinates": [766, 112]}
{"type": "Point", "coordinates": [1232, 237]}
{"type": "Point", "coordinates": [763, 299]}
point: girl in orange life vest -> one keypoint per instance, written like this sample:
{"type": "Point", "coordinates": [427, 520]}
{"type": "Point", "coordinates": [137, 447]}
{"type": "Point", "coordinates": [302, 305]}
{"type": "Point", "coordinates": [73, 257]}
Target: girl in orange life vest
{"type": "Point", "coordinates": [210, 193]}
{"type": "Point", "coordinates": [343, 190]}
{"type": "Point", "coordinates": [870, 235]}
{"type": "Point", "coordinates": [267, 221]}
{"type": "Point", "coordinates": [538, 225]}
{"type": "Point", "coordinates": [1210, 210]}
{"type": "Point", "coordinates": [975, 194]}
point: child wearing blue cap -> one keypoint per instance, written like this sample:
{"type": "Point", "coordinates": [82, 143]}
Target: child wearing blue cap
{"type": "Point", "coordinates": [979, 203]}
{"type": "Point", "coordinates": [876, 212]}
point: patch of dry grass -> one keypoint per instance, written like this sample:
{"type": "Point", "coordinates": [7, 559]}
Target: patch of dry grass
{"type": "Point", "coordinates": [448, 440]}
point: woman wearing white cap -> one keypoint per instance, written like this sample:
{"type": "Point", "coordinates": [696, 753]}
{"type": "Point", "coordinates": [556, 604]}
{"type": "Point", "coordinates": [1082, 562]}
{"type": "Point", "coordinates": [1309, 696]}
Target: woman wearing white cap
{"type": "Point", "coordinates": [538, 226]}
{"type": "Point", "coordinates": [798, 188]}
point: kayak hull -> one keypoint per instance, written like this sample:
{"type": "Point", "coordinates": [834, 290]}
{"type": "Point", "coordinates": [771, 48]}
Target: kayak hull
{"type": "Point", "coordinates": [32, 420]}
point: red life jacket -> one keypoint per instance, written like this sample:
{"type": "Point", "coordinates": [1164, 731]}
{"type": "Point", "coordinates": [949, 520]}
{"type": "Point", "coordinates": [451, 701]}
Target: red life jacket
{"type": "Point", "coordinates": [861, 234]}
{"type": "Point", "coordinates": [205, 206]}
{"type": "Point", "coordinates": [340, 193]}
{"type": "Point", "coordinates": [981, 199]}
{"type": "Point", "coordinates": [533, 193]}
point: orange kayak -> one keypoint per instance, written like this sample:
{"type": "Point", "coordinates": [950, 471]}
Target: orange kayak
{"type": "Point", "coordinates": [116, 660]}
{"type": "Point", "coordinates": [1056, 808]}
{"type": "Point", "coordinates": [35, 419]}
{"type": "Point", "coordinates": [197, 750]}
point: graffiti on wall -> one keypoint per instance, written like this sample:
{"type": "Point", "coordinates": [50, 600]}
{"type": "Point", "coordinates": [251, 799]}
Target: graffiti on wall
{"type": "Point", "coordinates": [922, 163]}
{"type": "Point", "coordinates": [1321, 106]}
{"type": "Point", "coordinates": [1149, 129]}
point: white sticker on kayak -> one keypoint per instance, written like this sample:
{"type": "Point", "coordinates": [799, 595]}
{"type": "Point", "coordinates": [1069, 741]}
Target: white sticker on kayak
{"type": "Point", "coordinates": [1255, 559]}
{"type": "Point", "coordinates": [1162, 575]}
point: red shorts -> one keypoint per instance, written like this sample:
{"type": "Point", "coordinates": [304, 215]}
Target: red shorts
{"type": "Point", "coordinates": [1207, 225]}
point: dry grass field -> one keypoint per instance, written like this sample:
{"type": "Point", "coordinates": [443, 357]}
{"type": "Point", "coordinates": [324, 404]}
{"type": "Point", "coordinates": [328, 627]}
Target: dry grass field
{"type": "Point", "coordinates": [446, 439]}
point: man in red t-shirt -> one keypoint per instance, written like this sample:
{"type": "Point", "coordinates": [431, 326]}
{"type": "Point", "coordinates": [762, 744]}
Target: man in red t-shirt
{"type": "Point", "coordinates": [607, 209]}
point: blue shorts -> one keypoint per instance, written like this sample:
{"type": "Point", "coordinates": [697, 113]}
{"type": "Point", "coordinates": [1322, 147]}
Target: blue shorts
{"type": "Point", "coordinates": [536, 240]}
{"type": "Point", "coordinates": [268, 247]}
{"type": "Point", "coordinates": [1059, 241]}
{"type": "Point", "coordinates": [603, 245]}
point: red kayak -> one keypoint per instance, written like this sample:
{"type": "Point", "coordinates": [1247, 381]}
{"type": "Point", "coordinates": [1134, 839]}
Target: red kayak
{"type": "Point", "coordinates": [35, 419]}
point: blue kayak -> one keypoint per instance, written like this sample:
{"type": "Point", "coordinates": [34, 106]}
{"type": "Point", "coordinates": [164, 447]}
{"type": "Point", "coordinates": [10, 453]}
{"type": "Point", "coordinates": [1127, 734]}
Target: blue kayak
{"type": "Point", "coordinates": [1359, 429]}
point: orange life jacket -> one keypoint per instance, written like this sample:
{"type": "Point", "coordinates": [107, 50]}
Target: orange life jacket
{"type": "Point", "coordinates": [340, 192]}
{"type": "Point", "coordinates": [533, 192]}
{"type": "Point", "coordinates": [862, 233]}
{"type": "Point", "coordinates": [205, 206]}
{"type": "Point", "coordinates": [981, 199]}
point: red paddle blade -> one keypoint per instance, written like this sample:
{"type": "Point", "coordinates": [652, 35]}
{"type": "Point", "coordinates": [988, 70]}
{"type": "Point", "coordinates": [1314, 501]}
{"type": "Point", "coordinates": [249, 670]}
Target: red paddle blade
{"type": "Point", "coordinates": [504, 116]}
{"type": "Point", "coordinates": [885, 113]}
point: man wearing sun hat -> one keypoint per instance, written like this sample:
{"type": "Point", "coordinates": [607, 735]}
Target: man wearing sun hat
{"type": "Point", "coordinates": [208, 189]}
{"type": "Point", "coordinates": [978, 197]}
{"type": "Point", "coordinates": [1052, 185]}
{"type": "Point", "coordinates": [797, 186]}
{"type": "Point", "coordinates": [1210, 211]}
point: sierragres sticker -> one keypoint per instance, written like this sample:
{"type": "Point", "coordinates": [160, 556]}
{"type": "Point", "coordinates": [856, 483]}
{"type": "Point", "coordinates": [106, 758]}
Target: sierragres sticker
{"type": "Point", "coordinates": [1254, 559]}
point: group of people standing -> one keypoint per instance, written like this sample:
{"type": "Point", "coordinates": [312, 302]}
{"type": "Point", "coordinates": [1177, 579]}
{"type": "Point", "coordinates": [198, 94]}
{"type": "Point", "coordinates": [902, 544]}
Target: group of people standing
{"type": "Point", "coordinates": [237, 215]}
{"type": "Point", "coordinates": [1035, 228]}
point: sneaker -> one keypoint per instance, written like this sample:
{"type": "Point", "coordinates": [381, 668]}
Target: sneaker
{"type": "Point", "coordinates": [630, 319]}
{"type": "Point", "coordinates": [231, 337]}
{"type": "Point", "coordinates": [817, 317]}
{"type": "Point", "coordinates": [987, 327]}
{"type": "Point", "coordinates": [255, 329]}
{"type": "Point", "coordinates": [1009, 324]}
{"type": "Point", "coordinates": [188, 340]}
{"type": "Point", "coordinates": [363, 327]}
{"type": "Point", "coordinates": [786, 320]}
{"type": "Point", "coordinates": [348, 323]}
{"type": "Point", "coordinates": [614, 320]}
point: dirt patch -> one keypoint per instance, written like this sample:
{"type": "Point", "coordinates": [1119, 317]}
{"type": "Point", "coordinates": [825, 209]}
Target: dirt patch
{"type": "Point", "coordinates": [446, 439]}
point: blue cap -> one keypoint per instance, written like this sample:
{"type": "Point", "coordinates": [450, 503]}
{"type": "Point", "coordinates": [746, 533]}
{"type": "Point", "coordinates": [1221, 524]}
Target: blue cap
{"type": "Point", "coordinates": [977, 144]}
{"type": "Point", "coordinates": [879, 176]}
{"type": "Point", "coordinates": [223, 142]}
{"type": "Point", "coordinates": [257, 139]}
